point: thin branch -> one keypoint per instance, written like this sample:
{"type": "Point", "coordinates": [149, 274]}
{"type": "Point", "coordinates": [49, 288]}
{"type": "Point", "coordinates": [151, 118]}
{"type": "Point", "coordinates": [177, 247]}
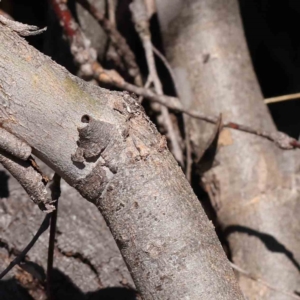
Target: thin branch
{"type": "Point", "coordinates": [29, 178]}
{"type": "Point", "coordinates": [261, 281]}
{"type": "Point", "coordinates": [55, 194]}
{"type": "Point", "coordinates": [13, 145]}
{"type": "Point", "coordinates": [20, 28]}
{"type": "Point", "coordinates": [116, 39]}
{"type": "Point", "coordinates": [140, 17]}
{"type": "Point", "coordinates": [146, 86]}
{"type": "Point", "coordinates": [282, 98]}
{"type": "Point", "coordinates": [168, 67]}
{"type": "Point", "coordinates": [188, 148]}
{"type": "Point", "coordinates": [44, 226]}
{"type": "Point", "coordinates": [111, 7]}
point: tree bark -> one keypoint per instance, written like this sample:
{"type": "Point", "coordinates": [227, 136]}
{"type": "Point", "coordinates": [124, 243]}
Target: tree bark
{"type": "Point", "coordinates": [255, 184]}
{"type": "Point", "coordinates": [103, 144]}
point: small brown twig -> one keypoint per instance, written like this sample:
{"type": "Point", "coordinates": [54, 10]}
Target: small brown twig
{"type": "Point", "coordinates": [55, 194]}
{"type": "Point", "coordinates": [259, 280]}
{"type": "Point", "coordinates": [146, 86]}
{"type": "Point", "coordinates": [117, 41]}
{"type": "Point", "coordinates": [44, 226]}
{"type": "Point", "coordinates": [140, 17]}
{"type": "Point", "coordinates": [111, 7]}
{"type": "Point", "coordinates": [20, 28]}
{"type": "Point", "coordinates": [168, 67]}
{"type": "Point", "coordinates": [188, 148]}
{"type": "Point", "coordinates": [30, 179]}
{"type": "Point", "coordinates": [13, 145]}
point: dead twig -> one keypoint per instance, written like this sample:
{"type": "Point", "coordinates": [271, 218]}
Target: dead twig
{"type": "Point", "coordinates": [44, 226]}
{"type": "Point", "coordinates": [55, 194]}
{"type": "Point", "coordinates": [29, 178]}
{"type": "Point", "coordinates": [168, 67]}
{"type": "Point", "coordinates": [188, 148]}
{"type": "Point", "coordinates": [140, 17]}
{"type": "Point", "coordinates": [20, 28]}
{"type": "Point", "coordinates": [111, 7]}
{"type": "Point", "coordinates": [116, 39]}
{"type": "Point", "coordinates": [259, 280]}
{"type": "Point", "coordinates": [146, 86]}
{"type": "Point", "coordinates": [282, 98]}
{"type": "Point", "coordinates": [13, 145]}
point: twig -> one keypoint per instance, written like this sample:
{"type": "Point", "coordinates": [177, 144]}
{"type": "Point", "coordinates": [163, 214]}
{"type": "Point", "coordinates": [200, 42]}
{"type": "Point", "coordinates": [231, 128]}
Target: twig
{"type": "Point", "coordinates": [282, 98]}
{"type": "Point", "coordinates": [116, 39]}
{"type": "Point", "coordinates": [259, 280]}
{"type": "Point", "coordinates": [168, 67]}
{"type": "Point", "coordinates": [13, 145]}
{"type": "Point", "coordinates": [140, 17]}
{"type": "Point", "coordinates": [29, 178]}
{"type": "Point", "coordinates": [55, 194]}
{"type": "Point", "coordinates": [111, 7]}
{"type": "Point", "coordinates": [44, 226]}
{"type": "Point", "coordinates": [146, 86]}
{"type": "Point", "coordinates": [188, 150]}
{"type": "Point", "coordinates": [20, 28]}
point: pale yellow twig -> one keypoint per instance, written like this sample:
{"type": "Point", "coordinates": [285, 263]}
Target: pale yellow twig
{"type": "Point", "coordinates": [282, 98]}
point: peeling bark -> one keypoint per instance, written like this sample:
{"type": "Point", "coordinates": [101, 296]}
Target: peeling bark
{"type": "Point", "coordinates": [168, 243]}
{"type": "Point", "coordinates": [254, 186]}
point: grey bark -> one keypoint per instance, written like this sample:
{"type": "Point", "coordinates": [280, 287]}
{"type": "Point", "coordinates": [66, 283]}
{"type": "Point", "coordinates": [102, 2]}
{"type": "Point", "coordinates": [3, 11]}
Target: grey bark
{"type": "Point", "coordinates": [254, 186]}
{"type": "Point", "coordinates": [102, 143]}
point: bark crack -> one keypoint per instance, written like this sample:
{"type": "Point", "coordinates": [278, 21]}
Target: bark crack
{"type": "Point", "coordinates": [83, 259]}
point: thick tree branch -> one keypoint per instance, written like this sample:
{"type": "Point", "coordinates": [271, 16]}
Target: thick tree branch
{"type": "Point", "coordinates": [102, 143]}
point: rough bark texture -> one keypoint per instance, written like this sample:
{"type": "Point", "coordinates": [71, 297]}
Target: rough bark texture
{"type": "Point", "coordinates": [164, 236]}
{"type": "Point", "coordinates": [254, 186]}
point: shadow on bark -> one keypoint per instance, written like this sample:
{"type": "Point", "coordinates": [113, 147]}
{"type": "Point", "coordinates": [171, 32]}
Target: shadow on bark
{"type": "Point", "coordinates": [12, 290]}
{"type": "Point", "coordinates": [268, 240]}
{"type": "Point", "coordinates": [63, 288]}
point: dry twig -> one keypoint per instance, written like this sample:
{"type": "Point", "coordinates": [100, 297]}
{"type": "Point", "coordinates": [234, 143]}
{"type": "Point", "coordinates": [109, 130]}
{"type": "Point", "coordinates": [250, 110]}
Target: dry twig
{"type": "Point", "coordinates": [140, 17]}
{"type": "Point", "coordinates": [111, 7]}
{"type": "Point", "coordinates": [116, 39]}
{"type": "Point", "coordinates": [20, 28]}
{"type": "Point", "coordinates": [30, 179]}
{"type": "Point", "coordinates": [259, 280]}
{"type": "Point", "coordinates": [13, 145]}
{"type": "Point", "coordinates": [188, 148]}
{"type": "Point", "coordinates": [282, 98]}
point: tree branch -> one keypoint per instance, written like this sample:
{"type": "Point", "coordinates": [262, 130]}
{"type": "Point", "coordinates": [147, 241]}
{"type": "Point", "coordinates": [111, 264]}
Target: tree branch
{"type": "Point", "coordinates": [104, 145]}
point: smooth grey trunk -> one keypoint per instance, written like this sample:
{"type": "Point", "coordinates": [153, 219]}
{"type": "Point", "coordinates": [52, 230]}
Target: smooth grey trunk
{"type": "Point", "coordinates": [103, 144]}
{"type": "Point", "coordinates": [254, 186]}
